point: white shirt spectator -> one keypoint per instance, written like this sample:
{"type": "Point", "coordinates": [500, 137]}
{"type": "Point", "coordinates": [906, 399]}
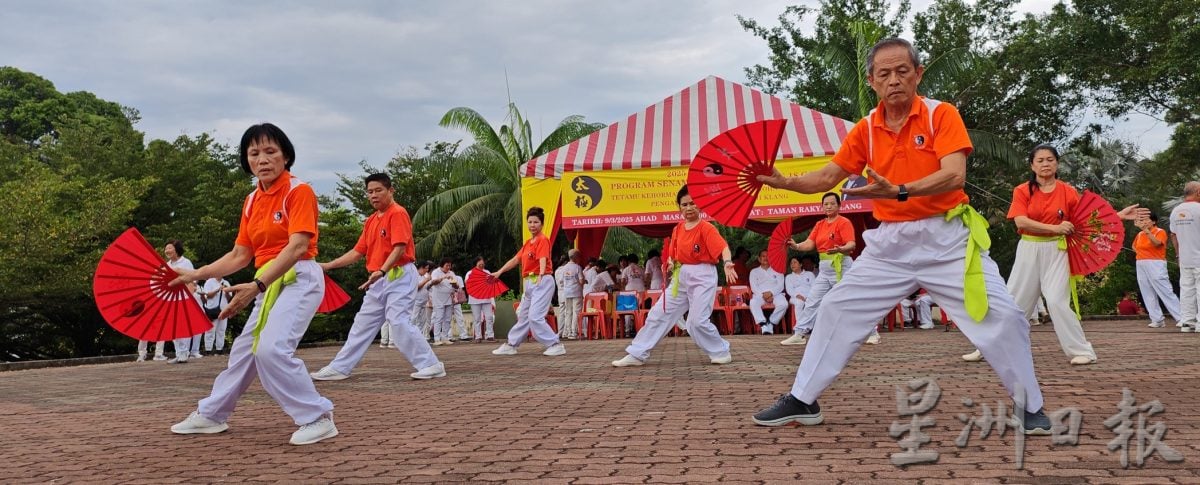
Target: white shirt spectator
{"type": "Point", "coordinates": [589, 276]}
{"type": "Point", "coordinates": [799, 284]}
{"type": "Point", "coordinates": [570, 280]}
{"type": "Point", "coordinates": [442, 292]}
{"type": "Point", "coordinates": [763, 280]}
{"type": "Point", "coordinates": [601, 283]}
{"type": "Point", "coordinates": [654, 269]}
{"type": "Point", "coordinates": [632, 276]}
{"type": "Point", "coordinates": [1185, 224]}
{"type": "Point", "coordinates": [219, 300]}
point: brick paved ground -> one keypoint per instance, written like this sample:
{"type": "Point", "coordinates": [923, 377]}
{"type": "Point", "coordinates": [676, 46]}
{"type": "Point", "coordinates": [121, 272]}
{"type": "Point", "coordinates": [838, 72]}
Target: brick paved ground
{"type": "Point", "coordinates": [575, 419]}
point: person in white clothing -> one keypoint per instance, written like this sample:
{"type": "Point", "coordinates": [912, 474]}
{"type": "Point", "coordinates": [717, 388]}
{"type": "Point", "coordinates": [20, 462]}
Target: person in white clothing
{"type": "Point", "coordinates": [1150, 247]}
{"type": "Point", "coordinates": [483, 310]}
{"type": "Point", "coordinates": [1185, 235]}
{"type": "Point", "coordinates": [654, 278]}
{"type": "Point", "coordinates": [767, 286]}
{"type": "Point", "coordinates": [798, 283]}
{"type": "Point", "coordinates": [570, 295]}
{"type": "Point", "coordinates": [590, 272]}
{"type": "Point", "coordinates": [441, 295]}
{"type": "Point", "coordinates": [605, 281]}
{"type": "Point", "coordinates": [215, 297]}
{"type": "Point", "coordinates": [457, 319]}
{"type": "Point", "coordinates": [421, 310]}
{"type": "Point", "coordinates": [538, 285]}
{"type": "Point", "coordinates": [631, 278]}
{"type": "Point", "coordinates": [186, 347]}
{"type": "Point", "coordinates": [387, 244]}
{"type": "Point", "coordinates": [918, 306]}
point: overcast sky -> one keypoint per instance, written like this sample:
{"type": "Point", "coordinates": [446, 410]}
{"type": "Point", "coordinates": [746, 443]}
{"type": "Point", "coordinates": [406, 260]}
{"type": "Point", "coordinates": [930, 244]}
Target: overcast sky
{"type": "Point", "coordinates": [351, 81]}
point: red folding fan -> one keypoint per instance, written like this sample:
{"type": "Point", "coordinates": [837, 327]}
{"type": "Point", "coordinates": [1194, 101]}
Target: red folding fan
{"type": "Point", "coordinates": [482, 285]}
{"type": "Point", "coordinates": [335, 297]}
{"type": "Point", "coordinates": [1098, 236]}
{"type": "Point", "coordinates": [777, 246]}
{"type": "Point", "coordinates": [132, 292]}
{"type": "Point", "coordinates": [721, 179]}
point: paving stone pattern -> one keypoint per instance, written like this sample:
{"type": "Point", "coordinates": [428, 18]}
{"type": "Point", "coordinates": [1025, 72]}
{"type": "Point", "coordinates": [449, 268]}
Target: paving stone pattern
{"type": "Point", "coordinates": [575, 419]}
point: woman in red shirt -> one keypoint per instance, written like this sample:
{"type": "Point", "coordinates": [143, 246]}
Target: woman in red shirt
{"type": "Point", "coordinates": [278, 231]}
{"type": "Point", "coordinates": [538, 284]}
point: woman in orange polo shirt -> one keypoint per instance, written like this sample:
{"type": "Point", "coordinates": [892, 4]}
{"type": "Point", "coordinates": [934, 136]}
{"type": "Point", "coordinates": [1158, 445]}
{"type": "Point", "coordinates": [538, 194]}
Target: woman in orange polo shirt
{"type": "Point", "coordinates": [537, 280]}
{"type": "Point", "coordinates": [278, 231]}
{"type": "Point", "coordinates": [1150, 244]}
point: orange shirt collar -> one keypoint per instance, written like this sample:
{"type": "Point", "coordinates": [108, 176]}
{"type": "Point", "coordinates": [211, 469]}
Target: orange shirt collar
{"type": "Point", "coordinates": [878, 118]}
{"type": "Point", "coordinates": [282, 183]}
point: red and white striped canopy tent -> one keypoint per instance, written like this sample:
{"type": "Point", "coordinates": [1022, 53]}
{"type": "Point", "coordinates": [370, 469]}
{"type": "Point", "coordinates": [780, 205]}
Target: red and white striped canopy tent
{"type": "Point", "coordinates": [668, 134]}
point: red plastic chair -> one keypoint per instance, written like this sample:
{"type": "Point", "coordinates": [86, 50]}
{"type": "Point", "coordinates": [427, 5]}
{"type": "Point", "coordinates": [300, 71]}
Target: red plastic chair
{"type": "Point", "coordinates": [593, 316]}
{"type": "Point", "coordinates": [732, 306]}
{"type": "Point", "coordinates": [895, 319]}
{"type": "Point", "coordinates": [640, 320]}
{"type": "Point", "coordinates": [618, 316]}
{"type": "Point", "coordinates": [721, 316]}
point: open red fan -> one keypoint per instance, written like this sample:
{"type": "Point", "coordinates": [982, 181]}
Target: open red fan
{"type": "Point", "coordinates": [777, 247]}
{"type": "Point", "coordinates": [1099, 234]}
{"type": "Point", "coordinates": [481, 285]}
{"type": "Point", "coordinates": [132, 292]}
{"type": "Point", "coordinates": [721, 179]}
{"type": "Point", "coordinates": [335, 297]}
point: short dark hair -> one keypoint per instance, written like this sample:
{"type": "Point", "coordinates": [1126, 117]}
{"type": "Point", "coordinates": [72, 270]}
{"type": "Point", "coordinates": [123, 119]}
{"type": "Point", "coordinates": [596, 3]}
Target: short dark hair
{"type": "Point", "coordinates": [178, 246]}
{"type": "Point", "coordinates": [447, 260]}
{"type": "Point", "coordinates": [536, 211]}
{"type": "Point", "coordinates": [1154, 217]}
{"type": "Point", "coordinates": [622, 258]}
{"type": "Point", "coordinates": [679, 195]}
{"type": "Point", "coordinates": [378, 177]}
{"type": "Point", "coordinates": [480, 258]}
{"type": "Point", "coordinates": [265, 132]}
{"type": "Point", "coordinates": [891, 42]}
{"type": "Point", "coordinates": [632, 258]}
{"type": "Point", "coordinates": [653, 253]}
{"type": "Point", "coordinates": [425, 264]}
{"type": "Point", "coordinates": [837, 199]}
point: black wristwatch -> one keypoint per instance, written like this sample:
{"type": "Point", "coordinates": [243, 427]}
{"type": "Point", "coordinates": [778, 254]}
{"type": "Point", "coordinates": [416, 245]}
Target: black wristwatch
{"type": "Point", "coordinates": [903, 195]}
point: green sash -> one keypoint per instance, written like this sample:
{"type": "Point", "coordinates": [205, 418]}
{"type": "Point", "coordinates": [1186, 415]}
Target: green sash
{"type": "Point", "coordinates": [835, 260]}
{"type": "Point", "coordinates": [974, 287]}
{"type": "Point", "coordinates": [272, 294]}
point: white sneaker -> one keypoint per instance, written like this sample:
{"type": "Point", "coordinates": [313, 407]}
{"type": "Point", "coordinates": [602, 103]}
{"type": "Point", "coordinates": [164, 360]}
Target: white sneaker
{"type": "Point", "coordinates": [1188, 328]}
{"type": "Point", "coordinates": [974, 356]}
{"type": "Point", "coordinates": [435, 370]}
{"type": "Point", "coordinates": [681, 325]}
{"type": "Point", "coordinates": [160, 357]}
{"type": "Point", "coordinates": [447, 342]}
{"type": "Point", "coordinates": [1082, 360]}
{"type": "Point", "coordinates": [627, 361]}
{"type": "Point", "coordinates": [327, 374]}
{"type": "Point", "coordinates": [722, 359]}
{"type": "Point", "coordinates": [315, 431]}
{"type": "Point", "coordinates": [141, 358]}
{"type": "Point", "coordinates": [795, 339]}
{"type": "Point", "coordinates": [505, 350]}
{"type": "Point", "coordinates": [1178, 324]}
{"type": "Point", "coordinates": [195, 355]}
{"type": "Point", "coordinates": [873, 339]}
{"type": "Point", "coordinates": [178, 360]}
{"type": "Point", "coordinates": [436, 343]}
{"type": "Point", "coordinates": [382, 345]}
{"type": "Point", "coordinates": [391, 345]}
{"type": "Point", "coordinates": [768, 329]}
{"type": "Point", "coordinates": [556, 349]}
{"type": "Point", "coordinates": [197, 424]}
{"type": "Point", "coordinates": [926, 326]}
{"type": "Point", "coordinates": [1156, 325]}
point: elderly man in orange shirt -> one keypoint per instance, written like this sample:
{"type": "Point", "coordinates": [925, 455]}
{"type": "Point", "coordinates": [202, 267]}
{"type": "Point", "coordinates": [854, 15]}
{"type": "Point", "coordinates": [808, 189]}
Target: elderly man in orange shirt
{"type": "Point", "coordinates": [914, 150]}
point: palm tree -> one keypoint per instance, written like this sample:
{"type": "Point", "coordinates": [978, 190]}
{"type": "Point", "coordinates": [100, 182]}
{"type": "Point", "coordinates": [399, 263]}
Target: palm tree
{"type": "Point", "coordinates": [485, 193]}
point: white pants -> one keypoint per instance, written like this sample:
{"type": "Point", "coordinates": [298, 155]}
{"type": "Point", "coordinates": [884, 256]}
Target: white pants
{"type": "Point", "coordinates": [756, 304]}
{"type": "Point", "coordinates": [385, 333]}
{"type": "Point", "coordinates": [1040, 268]}
{"type": "Point", "coordinates": [422, 319]}
{"type": "Point", "coordinates": [386, 301]}
{"type": "Point", "coordinates": [484, 316]}
{"type": "Point", "coordinates": [531, 313]}
{"type": "Point", "coordinates": [1187, 294]}
{"type": "Point", "coordinates": [188, 345]}
{"type": "Point", "coordinates": [923, 312]}
{"type": "Point", "coordinates": [698, 287]}
{"type": "Point", "coordinates": [441, 322]}
{"type": "Point", "coordinates": [825, 280]}
{"type": "Point", "coordinates": [159, 347]}
{"type": "Point", "coordinates": [459, 322]}
{"type": "Point", "coordinates": [282, 375]}
{"type": "Point", "coordinates": [899, 258]}
{"type": "Point", "coordinates": [568, 316]}
{"type": "Point", "coordinates": [214, 338]}
{"type": "Point", "coordinates": [1155, 286]}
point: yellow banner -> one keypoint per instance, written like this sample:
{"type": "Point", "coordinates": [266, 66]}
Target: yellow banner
{"type": "Point", "coordinates": [647, 196]}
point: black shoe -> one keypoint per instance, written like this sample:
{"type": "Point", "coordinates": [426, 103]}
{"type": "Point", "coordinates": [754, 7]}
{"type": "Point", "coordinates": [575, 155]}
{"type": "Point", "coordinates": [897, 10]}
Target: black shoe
{"type": "Point", "coordinates": [1037, 423]}
{"type": "Point", "coordinates": [788, 409]}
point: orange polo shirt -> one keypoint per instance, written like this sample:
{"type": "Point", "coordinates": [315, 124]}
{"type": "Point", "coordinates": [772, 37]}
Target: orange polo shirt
{"type": "Point", "coordinates": [382, 232]}
{"type": "Point", "coordinates": [699, 245]}
{"type": "Point", "coordinates": [1144, 249]}
{"type": "Point", "coordinates": [1047, 208]}
{"type": "Point", "coordinates": [828, 235]}
{"type": "Point", "coordinates": [271, 216]}
{"type": "Point", "coordinates": [906, 156]}
{"type": "Point", "coordinates": [536, 248]}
